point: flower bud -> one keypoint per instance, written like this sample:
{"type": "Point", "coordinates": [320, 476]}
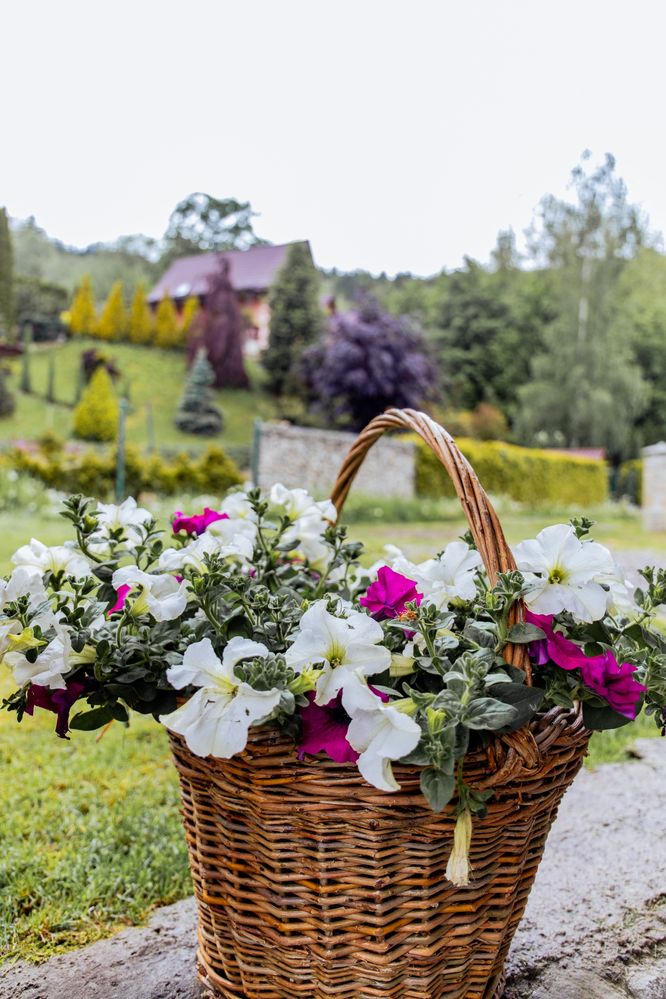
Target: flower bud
{"type": "Point", "coordinates": [457, 869]}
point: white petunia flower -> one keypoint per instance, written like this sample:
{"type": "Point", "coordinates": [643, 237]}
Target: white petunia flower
{"type": "Point", "coordinates": [59, 558]}
{"type": "Point", "coordinates": [162, 596]}
{"type": "Point", "coordinates": [192, 556]}
{"type": "Point", "coordinates": [298, 503]}
{"type": "Point", "coordinates": [215, 721]}
{"type": "Point", "coordinates": [382, 735]}
{"type": "Point", "coordinates": [234, 532]}
{"type": "Point", "coordinates": [126, 517]}
{"type": "Point", "coordinates": [564, 573]}
{"type": "Point", "coordinates": [238, 507]}
{"type": "Point", "coordinates": [449, 577]}
{"type": "Point", "coordinates": [50, 666]}
{"type": "Point", "coordinates": [348, 649]}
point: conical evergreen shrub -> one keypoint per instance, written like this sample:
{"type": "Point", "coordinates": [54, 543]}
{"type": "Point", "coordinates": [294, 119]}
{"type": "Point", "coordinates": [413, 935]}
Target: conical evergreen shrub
{"type": "Point", "coordinates": [96, 416]}
{"type": "Point", "coordinates": [197, 413]}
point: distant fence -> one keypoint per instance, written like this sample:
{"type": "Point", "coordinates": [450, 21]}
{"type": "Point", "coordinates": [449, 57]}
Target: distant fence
{"type": "Point", "coordinates": [301, 456]}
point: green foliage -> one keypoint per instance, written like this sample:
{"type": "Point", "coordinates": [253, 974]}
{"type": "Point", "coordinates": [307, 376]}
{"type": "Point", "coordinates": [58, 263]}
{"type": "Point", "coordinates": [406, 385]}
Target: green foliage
{"type": "Point", "coordinates": [629, 483]}
{"type": "Point", "coordinates": [112, 323]}
{"type": "Point", "coordinates": [296, 319]}
{"type": "Point", "coordinates": [523, 474]}
{"type": "Point", "coordinates": [167, 330]}
{"type": "Point", "coordinates": [96, 416]}
{"type": "Point", "coordinates": [140, 324]}
{"type": "Point", "coordinates": [41, 304]}
{"type": "Point", "coordinates": [489, 325]}
{"type": "Point", "coordinates": [130, 259]}
{"type": "Point", "coordinates": [82, 314]}
{"type": "Point", "coordinates": [197, 414]}
{"type": "Point", "coordinates": [586, 365]}
{"type": "Point", "coordinates": [201, 223]}
{"type": "Point", "coordinates": [6, 275]}
{"type": "Point", "coordinates": [93, 472]}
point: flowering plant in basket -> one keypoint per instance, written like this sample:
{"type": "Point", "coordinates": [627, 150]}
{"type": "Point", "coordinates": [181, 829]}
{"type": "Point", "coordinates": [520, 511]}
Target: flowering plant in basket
{"type": "Point", "coordinates": [260, 612]}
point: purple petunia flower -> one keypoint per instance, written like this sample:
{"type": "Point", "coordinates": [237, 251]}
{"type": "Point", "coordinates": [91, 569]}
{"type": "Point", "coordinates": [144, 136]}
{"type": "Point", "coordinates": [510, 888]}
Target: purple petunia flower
{"type": "Point", "coordinates": [602, 674]}
{"type": "Point", "coordinates": [197, 523]}
{"type": "Point", "coordinates": [389, 595]}
{"type": "Point", "coordinates": [325, 729]}
{"type": "Point", "coordinates": [58, 701]}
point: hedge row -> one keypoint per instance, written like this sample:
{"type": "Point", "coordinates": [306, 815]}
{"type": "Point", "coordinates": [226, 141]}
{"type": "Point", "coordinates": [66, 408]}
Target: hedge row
{"type": "Point", "coordinates": [629, 483]}
{"type": "Point", "coordinates": [93, 472]}
{"type": "Point", "coordinates": [524, 474]}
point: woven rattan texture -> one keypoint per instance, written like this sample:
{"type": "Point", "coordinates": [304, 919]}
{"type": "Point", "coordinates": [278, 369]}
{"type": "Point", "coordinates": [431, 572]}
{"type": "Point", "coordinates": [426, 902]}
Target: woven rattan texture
{"type": "Point", "coordinates": [313, 885]}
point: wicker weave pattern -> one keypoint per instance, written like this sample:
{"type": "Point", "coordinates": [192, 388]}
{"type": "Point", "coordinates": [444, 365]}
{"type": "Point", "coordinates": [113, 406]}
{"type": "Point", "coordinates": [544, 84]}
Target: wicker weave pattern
{"type": "Point", "coordinates": [313, 885]}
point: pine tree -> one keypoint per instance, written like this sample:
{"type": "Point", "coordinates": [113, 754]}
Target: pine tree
{"type": "Point", "coordinates": [197, 414]}
{"type": "Point", "coordinates": [96, 416]}
{"type": "Point", "coordinates": [295, 320]}
{"type": "Point", "coordinates": [219, 328]}
{"type": "Point", "coordinates": [112, 324]}
{"type": "Point", "coordinates": [82, 315]}
{"type": "Point", "coordinates": [167, 334]}
{"type": "Point", "coordinates": [140, 317]}
{"type": "Point", "coordinates": [190, 312]}
{"type": "Point", "coordinates": [6, 275]}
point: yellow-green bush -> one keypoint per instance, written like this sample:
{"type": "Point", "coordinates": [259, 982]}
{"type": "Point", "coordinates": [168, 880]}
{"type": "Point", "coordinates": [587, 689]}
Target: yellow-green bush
{"type": "Point", "coordinates": [523, 474]}
{"type": "Point", "coordinates": [93, 472]}
{"type": "Point", "coordinates": [96, 416]}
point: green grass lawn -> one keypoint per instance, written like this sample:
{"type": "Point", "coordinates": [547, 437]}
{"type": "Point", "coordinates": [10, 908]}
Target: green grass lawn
{"type": "Point", "coordinates": [90, 831]}
{"type": "Point", "coordinates": [153, 378]}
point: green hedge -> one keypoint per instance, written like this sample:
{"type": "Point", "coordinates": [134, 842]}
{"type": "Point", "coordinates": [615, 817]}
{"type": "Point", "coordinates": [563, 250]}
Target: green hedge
{"type": "Point", "coordinates": [93, 472]}
{"type": "Point", "coordinates": [524, 474]}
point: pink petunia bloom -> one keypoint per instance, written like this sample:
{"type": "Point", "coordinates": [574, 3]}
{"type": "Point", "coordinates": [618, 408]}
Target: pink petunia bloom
{"type": "Point", "coordinates": [121, 594]}
{"type": "Point", "coordinates": [325, 729]}
{"type": "Point", "coordinates": [197, 523]}
{"type": "Point", "coordinates": [389, 595]}
{"type": "Point", "coordinates": [602, 674]}
{"type": "Point", "coordinates": [58, 701]}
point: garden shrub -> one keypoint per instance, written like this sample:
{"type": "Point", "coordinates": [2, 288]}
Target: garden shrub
{"type": "Point", "coordinates": [96, 416]}
{"type": "Point", "coordinates": [93, 472]}
{"type": "Point", "coordinates": [527, 475]}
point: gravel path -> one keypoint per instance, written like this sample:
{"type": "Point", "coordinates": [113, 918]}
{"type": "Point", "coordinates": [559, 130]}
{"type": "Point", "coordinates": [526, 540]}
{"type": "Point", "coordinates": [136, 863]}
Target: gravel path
{"type": "Point", "coordinates": [595, 926]}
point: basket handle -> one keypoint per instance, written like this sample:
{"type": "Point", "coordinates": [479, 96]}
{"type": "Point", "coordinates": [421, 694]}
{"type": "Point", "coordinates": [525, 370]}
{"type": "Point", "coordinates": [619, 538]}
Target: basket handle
{"type": "Point", "coordinates": [481, 517]}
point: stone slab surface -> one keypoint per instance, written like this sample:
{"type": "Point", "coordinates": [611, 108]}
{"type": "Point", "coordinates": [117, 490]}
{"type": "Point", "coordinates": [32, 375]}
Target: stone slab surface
{"type": "Point", "coordinates": [595, 926]}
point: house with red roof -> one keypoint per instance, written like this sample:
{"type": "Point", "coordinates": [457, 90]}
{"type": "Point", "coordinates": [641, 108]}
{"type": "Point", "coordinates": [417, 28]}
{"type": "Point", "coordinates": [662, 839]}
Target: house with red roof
{"type": "Point", "coordinates": [252, 272]}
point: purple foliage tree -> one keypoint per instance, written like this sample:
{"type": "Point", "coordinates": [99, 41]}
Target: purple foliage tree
{"type": "Point", "coordinates": [219, 329]}
{"type": "Point", "coordinates": [368, 362]}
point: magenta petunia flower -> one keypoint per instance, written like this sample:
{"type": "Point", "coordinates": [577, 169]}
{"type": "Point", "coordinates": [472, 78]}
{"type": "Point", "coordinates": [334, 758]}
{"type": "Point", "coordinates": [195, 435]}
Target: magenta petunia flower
{"type": "Point", "coordinates": [197, 523]}
{"type": "Point", "coordinates": [121, 594]}
{"type": "Point", "coordinates": [389, 595]}
{"type": "Point", "coordinates": [58, 701]}
{"type": "Point", "coordinates": [325, 729]}
{"type": "Point", "coordinates": [602, 674]}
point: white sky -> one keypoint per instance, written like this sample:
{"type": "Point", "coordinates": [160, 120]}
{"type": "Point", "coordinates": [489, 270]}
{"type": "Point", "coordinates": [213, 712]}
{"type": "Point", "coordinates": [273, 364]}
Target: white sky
{"type": "Point", "coordinates": [394, 134]}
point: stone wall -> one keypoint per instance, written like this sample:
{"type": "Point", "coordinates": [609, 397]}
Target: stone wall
{"type": "Point", "coordinates": [654, 487]}
{"type": "Point", "coordinates": [300, 456]}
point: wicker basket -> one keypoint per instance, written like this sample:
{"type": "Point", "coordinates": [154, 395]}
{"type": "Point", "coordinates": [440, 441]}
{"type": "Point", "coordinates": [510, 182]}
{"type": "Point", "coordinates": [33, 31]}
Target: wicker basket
{"type": "Point", "coordinates": [311, 884]}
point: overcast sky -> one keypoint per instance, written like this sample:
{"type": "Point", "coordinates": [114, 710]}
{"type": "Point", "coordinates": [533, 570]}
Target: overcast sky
{"type": "Point", "coordinates": [394, 134]}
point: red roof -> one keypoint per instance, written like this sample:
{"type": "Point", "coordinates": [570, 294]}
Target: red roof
{"type": "Point", "coordinates": [250, 270]}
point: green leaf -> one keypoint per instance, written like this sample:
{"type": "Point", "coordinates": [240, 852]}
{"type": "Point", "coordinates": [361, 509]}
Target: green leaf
{"type": "Point", "coordinates": [599, 719]}
{"type": "Point", "coordinates": [526, 700]}
{"type": "Point", "coordinates": [437, 788]}
{"type": "Point", "coordinates": [488, 712]}
{"type": "Point", "coordinates": [86, 721]}
{"type": "Point", "coordinates": [521, 634]}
